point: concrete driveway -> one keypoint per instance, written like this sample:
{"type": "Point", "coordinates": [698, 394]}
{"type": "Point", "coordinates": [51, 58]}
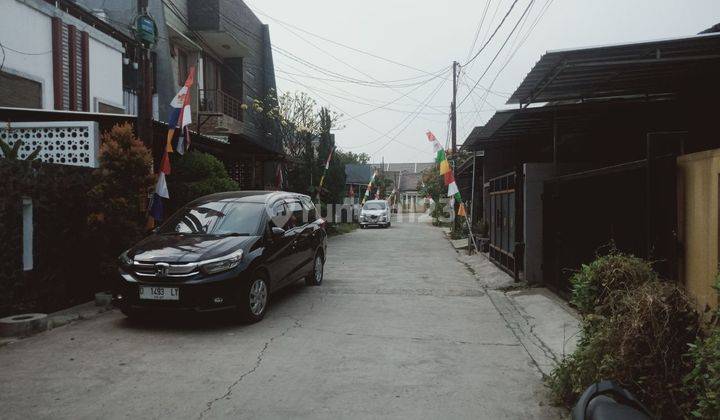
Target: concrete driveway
{"type": "Point", "coordinates": [400, 329]}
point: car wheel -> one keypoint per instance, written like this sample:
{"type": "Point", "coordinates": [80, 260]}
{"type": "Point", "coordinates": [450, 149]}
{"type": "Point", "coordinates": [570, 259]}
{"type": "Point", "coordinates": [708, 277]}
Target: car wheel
{"type": "Point", "coordinates": [362, 226]}
{"type": "Point", "coordinates": [316, 275]}
{"type": "Point", "coordinates": [254, 299]}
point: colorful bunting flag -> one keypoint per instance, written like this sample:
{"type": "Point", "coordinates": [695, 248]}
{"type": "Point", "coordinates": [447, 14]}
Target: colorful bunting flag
{"type": "Point", "coordinates": [452, 189]}
{"type": "Point", "coordinates": [327, 166]}
{"type": "Point", "coordinates": [181, 116]}
{"type": "Point", "coordinates": [461, 210]}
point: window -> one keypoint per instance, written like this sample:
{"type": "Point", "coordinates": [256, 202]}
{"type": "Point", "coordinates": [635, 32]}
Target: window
{"type": "Point", "coordinates": [224, 217]}
{"type": "Point", "coordinates": [70, 50]}
{"type": "Point", "coordinates": [279, 215]}
{"type": "Point", "coordinates": [27, 218]}
{"type": "Point", "coordinates": [296, 211]}
{"type": "Point", "coordinates": [374, 205]}
{"type": "Point", "coordinates": [309, 208]}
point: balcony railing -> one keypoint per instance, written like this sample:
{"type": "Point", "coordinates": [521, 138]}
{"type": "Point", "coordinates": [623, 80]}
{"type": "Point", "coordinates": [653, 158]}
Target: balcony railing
{"type": "Point", "coordinates": [215, 100]}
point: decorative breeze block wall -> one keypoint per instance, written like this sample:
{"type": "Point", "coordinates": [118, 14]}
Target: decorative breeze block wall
{"type": "Point", "coordinates": [74, 143]}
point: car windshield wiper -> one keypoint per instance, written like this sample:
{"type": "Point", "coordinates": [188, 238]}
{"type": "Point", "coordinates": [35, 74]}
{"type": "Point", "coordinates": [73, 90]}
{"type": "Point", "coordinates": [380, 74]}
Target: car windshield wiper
{"type": "Point", "coordinates": [231, 234]}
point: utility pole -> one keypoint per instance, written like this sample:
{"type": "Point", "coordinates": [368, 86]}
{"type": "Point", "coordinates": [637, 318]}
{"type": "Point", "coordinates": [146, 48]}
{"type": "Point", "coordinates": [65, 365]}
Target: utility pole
{"type": "Point", "coordinates": [144, 94]}
{"type": "Point", "coordinates": [453, 111]}
{"type": "Point", "coordinates": [453, 130]}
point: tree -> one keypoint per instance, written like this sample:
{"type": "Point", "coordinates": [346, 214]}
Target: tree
{"type": "Point", "coordinates": [117, 212]}
{"type": "Point", "coordinates": [194, 175]}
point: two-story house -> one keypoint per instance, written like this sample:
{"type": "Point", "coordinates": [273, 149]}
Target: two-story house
{"type": "Point", "coordinates": [230, 49]}
{"type": "Point", "coordinates": [56, 56]}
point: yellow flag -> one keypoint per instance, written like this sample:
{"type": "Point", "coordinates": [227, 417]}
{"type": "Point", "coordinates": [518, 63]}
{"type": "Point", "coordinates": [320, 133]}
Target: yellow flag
{"type": "Point", "coordinates": [444, 167]}
{"type": "Point", "coordinates": [168, 146]}
{"type": "Point", "coordinates": [461, 210]}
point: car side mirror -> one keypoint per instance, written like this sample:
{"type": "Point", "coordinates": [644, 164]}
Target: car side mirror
{"type": "Point", "coordinates": [277, 232]}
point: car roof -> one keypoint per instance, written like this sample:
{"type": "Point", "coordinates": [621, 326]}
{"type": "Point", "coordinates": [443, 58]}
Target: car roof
{"type": "Point", "coordinates": [268, 197]}
{"type": "Point", "coordinates": [376, 201]}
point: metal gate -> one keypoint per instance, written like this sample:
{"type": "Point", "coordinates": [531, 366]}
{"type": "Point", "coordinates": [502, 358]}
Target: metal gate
{"type": "Point", "coordinates": [625, 206]}
{"type": "Point", "coordinates": [502, 221]}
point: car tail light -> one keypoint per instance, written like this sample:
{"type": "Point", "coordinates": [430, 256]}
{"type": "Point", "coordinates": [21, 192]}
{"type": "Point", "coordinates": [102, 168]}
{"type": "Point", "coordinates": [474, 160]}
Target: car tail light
{"type": "Point", "coordinates": [323, 223]}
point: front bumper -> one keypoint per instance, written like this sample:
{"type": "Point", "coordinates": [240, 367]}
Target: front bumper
{"type": "Point", "coordinates": [198, 294]}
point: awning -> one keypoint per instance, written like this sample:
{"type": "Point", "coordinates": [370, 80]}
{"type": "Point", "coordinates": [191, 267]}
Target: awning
{"type": "Point", "coordinates": [644, 68]}
{"type": "Point", "coordinates": [573, 118]}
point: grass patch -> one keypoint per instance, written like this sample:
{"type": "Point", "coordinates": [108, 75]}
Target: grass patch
{"type": "Point", "coordinates": [341, 228]}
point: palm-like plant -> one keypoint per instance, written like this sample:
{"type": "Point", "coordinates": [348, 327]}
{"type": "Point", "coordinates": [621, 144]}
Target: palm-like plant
{"type": "Point", "coordinates": [11, 153]}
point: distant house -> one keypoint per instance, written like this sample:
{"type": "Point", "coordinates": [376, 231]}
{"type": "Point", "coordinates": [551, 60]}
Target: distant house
{"type": "Point", "coordinates": [405, 179]}
{"type": "Point", "coordinates": [357, 177]}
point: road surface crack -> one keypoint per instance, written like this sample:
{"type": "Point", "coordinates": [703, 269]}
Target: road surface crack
{"type": "Point", "coordinates": [256, 366]}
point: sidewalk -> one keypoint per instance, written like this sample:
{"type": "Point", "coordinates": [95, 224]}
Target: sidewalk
{"type": "Point", "coordinates": [57, 319]}
{"type": "Point", "coordinates": [546, 326]}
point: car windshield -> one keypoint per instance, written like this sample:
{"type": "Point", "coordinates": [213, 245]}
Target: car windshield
{"type": "Point", "coordinates": [374, 206]}
{"type": "Point", "coordinates": [224, 217]}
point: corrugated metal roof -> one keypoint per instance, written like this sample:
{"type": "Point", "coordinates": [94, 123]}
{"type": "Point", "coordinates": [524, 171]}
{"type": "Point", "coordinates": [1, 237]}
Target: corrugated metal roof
{"type": "Point", "coordinates": [538, 121]}
{"type": "Point", "coordinates": [651, 67]}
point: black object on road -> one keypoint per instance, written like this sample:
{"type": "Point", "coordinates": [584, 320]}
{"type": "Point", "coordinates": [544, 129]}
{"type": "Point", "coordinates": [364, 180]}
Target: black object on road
{"type": "Point", "coordinates": [606, 400]}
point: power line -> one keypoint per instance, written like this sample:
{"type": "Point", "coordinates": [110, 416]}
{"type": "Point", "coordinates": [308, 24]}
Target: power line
{"type": "Point", "coordinates": [358, 120]}
{"type": "Point", "coordinates": [499, 51]}
{"type": "Point", "coordinates": [341, 44]}
{"type": "Point", "coordinates": [477, 32]}
{"type": "Point", "coordinates": [540, 15]}
{"type": "Point", "coordinates": [493, 34]}
{"type": "Point", "coordinates": [347, 64]}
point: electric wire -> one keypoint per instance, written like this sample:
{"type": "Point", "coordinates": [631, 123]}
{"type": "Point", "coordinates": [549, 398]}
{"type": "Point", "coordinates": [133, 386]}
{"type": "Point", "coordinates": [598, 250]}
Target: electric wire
{"type": "Point", "coordinates": [498, 52]}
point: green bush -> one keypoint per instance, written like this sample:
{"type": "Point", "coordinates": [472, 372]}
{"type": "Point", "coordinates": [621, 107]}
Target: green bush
{"type": "Point", "coordinates": [196, 174]}
{"type": "Point", "coordinates": [639, 343]}
{"type": "Point", "coordinates": [702, 384]}
{"type": "Point", "coordinates": [610, 274]}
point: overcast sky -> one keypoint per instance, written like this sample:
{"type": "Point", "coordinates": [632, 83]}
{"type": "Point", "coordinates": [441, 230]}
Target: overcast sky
{"type": "Point", "coordinates": [427, 36]}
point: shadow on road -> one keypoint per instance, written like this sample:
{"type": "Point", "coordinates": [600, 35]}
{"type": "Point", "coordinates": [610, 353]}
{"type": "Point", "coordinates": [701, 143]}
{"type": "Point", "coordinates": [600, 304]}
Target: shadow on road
{"type": "Point", "coordinates": [181, 321]}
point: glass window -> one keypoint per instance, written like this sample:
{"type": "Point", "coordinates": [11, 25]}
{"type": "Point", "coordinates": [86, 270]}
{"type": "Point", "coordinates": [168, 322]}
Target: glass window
{"type": "Point", "coordinates": [295, 210]}
{"type": "Point", "coordinates": [310, 211]}
{"type": "Point", "coordinates": [222, 217]}
{"type": "Point", "coordinates": [374, 205]}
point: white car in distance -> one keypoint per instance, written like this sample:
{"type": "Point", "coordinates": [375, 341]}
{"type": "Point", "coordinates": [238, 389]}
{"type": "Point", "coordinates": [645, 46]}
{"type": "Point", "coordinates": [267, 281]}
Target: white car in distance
{"type": "Point", "coordinates": [375, 213]}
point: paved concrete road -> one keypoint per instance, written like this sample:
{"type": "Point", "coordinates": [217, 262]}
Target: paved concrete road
{"type": "Point", "coordinates": [400, 329]}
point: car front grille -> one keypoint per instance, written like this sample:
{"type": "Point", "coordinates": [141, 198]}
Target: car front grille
{"type": "Point", "coordinates": [160, 269]}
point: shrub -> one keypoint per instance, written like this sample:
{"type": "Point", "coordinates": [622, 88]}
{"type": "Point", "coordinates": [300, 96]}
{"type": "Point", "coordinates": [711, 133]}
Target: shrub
{"type": "Point", "coordinates": [702, 384]}
{"type": "Point", "coordinates": [118, 214]}
{"type": "Point", "coordinates": [639, 342]}
{"type": "Point", "coordinates": [608, 274]}
{"type": "Point", "coordinates": [196, 174]}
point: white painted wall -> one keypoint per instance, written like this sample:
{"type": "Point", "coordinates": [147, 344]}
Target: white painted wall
{"type": "Point", "coordinates": [25, 29]}
{"type": "Point", "coordinates": [105, 75]}
{"type": "Point", "coordinates": [26, 26]}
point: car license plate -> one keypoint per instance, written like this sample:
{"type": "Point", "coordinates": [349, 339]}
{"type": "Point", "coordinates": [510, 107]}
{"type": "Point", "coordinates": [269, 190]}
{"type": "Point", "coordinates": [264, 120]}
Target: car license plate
{"type": "Point", "coordinates": [159, 293]}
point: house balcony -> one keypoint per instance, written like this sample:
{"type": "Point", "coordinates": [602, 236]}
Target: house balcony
{"type": "Point", "coordinates": [210, 19]}
{"type": "Point", "coordinates": [220, 112]}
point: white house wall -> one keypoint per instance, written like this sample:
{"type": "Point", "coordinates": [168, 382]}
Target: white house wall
{"type": "Point", "coordinates": [105, 75]}
{"type": "Point", "coordinates": [25, 29]}
{"type": "Point", "coordinates": [26, 26]}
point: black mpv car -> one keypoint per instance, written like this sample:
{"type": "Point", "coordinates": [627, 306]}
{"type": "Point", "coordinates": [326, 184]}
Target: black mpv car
{"type": "Point", "coordinates": [224, 251]}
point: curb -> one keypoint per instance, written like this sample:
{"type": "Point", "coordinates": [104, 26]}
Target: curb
{"type": "Point", "coordinates": [57, 319]}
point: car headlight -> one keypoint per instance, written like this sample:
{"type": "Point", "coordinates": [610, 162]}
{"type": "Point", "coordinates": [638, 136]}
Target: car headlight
{"type": "Point", "coordinates": [125, 260]}
{"type": "Point", "coordinates": [227, 262]}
